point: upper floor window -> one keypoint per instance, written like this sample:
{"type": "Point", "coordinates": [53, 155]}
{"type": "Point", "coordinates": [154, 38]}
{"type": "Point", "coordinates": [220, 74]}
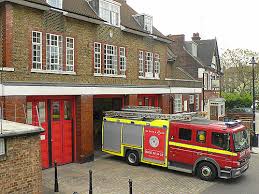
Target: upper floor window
{"type": "Point", "coordinates": [59, 56]}
{"type": "Point", "coordinates": [70, 52]}
{"type": "Point", "coordinates": [148, 23]}
{"type": "Point", "coordinates": [141, 64]}
{"type": "Point", "coordinates": [54, 52]}
{"type": "Point", "coordinates": [106, 59]}
{"type": "Point", "coordinates": [36, 50]}
{"type": "Point", "coordinates": [55, 3]}
{"type": "Point", "coordinates": [149, 65]}
{"type": "Point", "coordinates": [110, 12]}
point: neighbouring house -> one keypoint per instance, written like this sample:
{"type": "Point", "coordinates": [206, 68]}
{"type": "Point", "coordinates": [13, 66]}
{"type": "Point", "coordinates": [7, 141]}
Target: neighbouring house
{"type": "Point", "coordinates": [200, 58]}
{"type": "Point", "coordinates": [63, 63]}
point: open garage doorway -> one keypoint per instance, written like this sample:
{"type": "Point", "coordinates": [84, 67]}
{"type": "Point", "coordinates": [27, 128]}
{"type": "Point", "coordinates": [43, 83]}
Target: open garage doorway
{"type": "Point", "coordinates": [102, 104]}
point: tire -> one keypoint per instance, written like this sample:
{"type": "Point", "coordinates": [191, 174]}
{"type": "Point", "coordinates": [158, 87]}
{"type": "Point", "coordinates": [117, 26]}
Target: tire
{"type": "Point", "coordinates": [207, 171]}
{"type": "Point", "coordinates": [132, 158]}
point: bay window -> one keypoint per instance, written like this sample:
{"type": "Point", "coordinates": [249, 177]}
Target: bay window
{"type": "Point", "coordinates": [110, 12]}
{"type": "Point", "coordinates": [110, 60]}
{"type": "Point", "coordinates": [54, 52]}
{"type": "Point", "coordinates": [97, 58]}
{"type": "Point", "coordinates": [157, 66]}
{"type": "Point", "coordinates": [123, 63]}
{"type": "Point", "coordinates": [149, 64]}
{"type": "Point", "coordinates": [55, 3]}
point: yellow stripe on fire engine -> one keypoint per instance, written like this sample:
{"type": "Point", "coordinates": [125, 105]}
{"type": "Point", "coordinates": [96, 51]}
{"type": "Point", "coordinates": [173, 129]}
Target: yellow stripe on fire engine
{"type": "Point", "coordinates": [212, 150]}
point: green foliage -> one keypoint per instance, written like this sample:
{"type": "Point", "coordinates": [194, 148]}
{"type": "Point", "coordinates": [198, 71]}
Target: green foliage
{"type": "Point", "coordinates": [234, 100]}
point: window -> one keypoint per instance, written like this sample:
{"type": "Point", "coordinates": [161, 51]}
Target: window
{"type": "Point", "coordinates": [54, 52]}
{"type": "Point", "coordinates": [97, 58]}
{"type": "Point", "coordinates": [42, 112]}
{"type": "Point", "coordinates": [29, 113]}
{"type": "Point", "coordinates": [70, 54]}
{"type": "Point", "coordinates": [197, 101]}
{"type": "Point", "coordinates": [67, 110]}
{"type": "Point", "coordinates": [56, 111]}
{"type": "Point", "coordinates": [36, 50]}
{"type": "Point", "coordinates": [110, 60]}
{"type": "Point", "coordinates": [178, 103]}
{"type": "Point", "coordinates": [205, 81]}
{"type": "Point", "coordinates": [110, 12]}
{"type": "Point", "coordinates": [157, 66]}
{"type": "Point", "coordinates": [201, 136]}
{"type": "Point", "coordinates": [149, 64]}
{"type": "Point", "coordinates": [148, 23]}
{"type": "Point", "coordinates": [141, 63]}
{"type": "Point", "coordinates": [185, 134]}
{"type": "Point", "coordinates": [221, 140]}
{"type": "Point", "coordinates": [55, 3]}
{"type": "Point", "coordinates": [123, 63]}
{"type": "Point", "coordinates": [191, 99]}
{"type": "Point", "coordinates": [2, 147]}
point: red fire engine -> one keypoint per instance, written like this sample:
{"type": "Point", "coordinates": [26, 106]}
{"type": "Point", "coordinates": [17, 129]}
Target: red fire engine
{"type": "Point", "coordinates": [182, 142]}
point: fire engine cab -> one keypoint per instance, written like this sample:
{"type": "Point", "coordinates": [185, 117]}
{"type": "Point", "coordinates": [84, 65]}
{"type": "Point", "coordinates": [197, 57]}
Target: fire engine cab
{"type": "Point", "coordinates": [182, 142]}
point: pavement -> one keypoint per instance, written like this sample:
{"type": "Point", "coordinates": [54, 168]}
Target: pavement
{"type": "Point", "coordinates": [111, 175]}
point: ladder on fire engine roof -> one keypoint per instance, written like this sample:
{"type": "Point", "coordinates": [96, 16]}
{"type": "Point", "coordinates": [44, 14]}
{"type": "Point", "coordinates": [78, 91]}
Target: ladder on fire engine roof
{"type": "Point", "coordinates": [143, 114]}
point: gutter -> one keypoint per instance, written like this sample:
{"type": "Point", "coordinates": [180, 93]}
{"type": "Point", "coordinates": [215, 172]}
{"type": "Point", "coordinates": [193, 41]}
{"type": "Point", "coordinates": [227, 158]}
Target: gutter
{"type": "Point", "coordinates": [28, 4]}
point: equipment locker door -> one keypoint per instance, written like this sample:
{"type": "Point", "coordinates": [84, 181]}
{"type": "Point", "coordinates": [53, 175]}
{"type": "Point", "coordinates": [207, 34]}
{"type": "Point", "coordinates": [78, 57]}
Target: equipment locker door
{"type": "Point", "coordinates": [154, 145]}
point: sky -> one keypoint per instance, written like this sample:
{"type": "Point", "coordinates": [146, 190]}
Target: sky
{"type": "Point", "coordinates": [235, 23]}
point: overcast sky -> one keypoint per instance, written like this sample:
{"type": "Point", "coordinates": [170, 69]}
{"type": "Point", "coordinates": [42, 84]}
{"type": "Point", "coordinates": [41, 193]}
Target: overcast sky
{"type": "Point", "coordinates": [235, 23]}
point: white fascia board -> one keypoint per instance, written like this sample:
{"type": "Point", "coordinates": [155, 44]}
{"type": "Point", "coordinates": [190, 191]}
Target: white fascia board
{"type": "Point", "coordinates": [13, 90]}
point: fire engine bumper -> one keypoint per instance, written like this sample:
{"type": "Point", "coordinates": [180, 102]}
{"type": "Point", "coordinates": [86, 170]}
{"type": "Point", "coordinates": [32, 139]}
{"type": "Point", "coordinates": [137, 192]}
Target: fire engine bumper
{"type": "Point", "coordinates": [235, 172]}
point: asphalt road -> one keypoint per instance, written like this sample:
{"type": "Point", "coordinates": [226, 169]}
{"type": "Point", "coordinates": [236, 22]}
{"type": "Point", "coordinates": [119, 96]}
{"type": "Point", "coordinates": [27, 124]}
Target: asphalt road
{"type": "Point", "coordinates": [246, 184]}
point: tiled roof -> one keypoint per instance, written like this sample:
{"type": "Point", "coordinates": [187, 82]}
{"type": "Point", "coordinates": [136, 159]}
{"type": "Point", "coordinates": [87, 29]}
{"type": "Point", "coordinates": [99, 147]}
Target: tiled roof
{"type": "Point", "coordinates": [83, 8]}
{"type": "Point", "coordinates": [205, 50]}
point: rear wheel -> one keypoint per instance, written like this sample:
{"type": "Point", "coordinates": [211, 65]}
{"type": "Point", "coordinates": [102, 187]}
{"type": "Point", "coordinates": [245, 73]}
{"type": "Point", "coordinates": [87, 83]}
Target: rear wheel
{"type": "Point", "coordinates": [207, 171]}
{"type": "Point", "coordinates": [132, 157]}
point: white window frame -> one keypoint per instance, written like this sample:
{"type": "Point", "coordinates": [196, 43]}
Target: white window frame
{"type": "Point", "coordinates": [38, 45]}
{"type": "Point", "coordinates": [191, 99]}
{"type": "Point", "coordinates": [149, 61]}
{"type": "Point", "coordinates": [123, 61]}
{"type": "Point", "coordinates": [110, 12]}
{"type": "Point", "coordinates": [97, 58]}
{"type": "Point", "coordinates": [55, 3]}
{"type": "Point", "coordinates": [70, 63]}
{"type": "Point", "coordinates": [141, 64]}
{"type": "Point", "coordinates": [110, 60]}
{"type": "Point", "coordinates": [148, 23]}
{"type": "Point", "coordinates": [197, 101]}
{"type": "Point", "coordinates": [50, 48]}
{"type": "Point", "coordinates": [2, 146]}
{"type": "Point", "coordinates": [178, 103]}
{"type": "Point", "coordinates": [157, 66]}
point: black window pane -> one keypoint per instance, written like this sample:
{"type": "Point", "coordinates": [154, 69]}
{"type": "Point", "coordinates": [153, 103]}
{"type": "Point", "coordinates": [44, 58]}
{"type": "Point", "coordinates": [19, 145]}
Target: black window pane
{"type": "Point", "coordinates": [185, 134]}
{"type": "Point", "coordinates": [55, 111]}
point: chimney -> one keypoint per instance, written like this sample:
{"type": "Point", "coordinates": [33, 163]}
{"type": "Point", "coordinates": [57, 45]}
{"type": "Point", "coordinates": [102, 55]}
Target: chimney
{"type": "Point", "coordinates": [196, 36]}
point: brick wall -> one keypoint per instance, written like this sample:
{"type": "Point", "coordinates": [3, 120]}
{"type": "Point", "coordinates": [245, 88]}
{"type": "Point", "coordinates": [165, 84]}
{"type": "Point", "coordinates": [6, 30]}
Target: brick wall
{"type": "Point", "coordinates": [20, 170]}
{"type": "Point", "coordinates": [85, 35]}
{"type": "Point", "coordinates": [84, 128]}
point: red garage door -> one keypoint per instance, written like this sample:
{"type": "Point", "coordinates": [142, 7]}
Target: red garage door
{"type": "Point", "coordinates": [56, 117]}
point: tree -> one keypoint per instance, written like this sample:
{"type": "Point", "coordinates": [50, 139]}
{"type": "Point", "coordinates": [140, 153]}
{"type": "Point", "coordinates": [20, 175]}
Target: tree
{"type": "Point", "coordinates": [238, 71]}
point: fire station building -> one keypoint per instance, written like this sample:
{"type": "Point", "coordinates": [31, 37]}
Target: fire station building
{"type": "Point", "coordinates": [63, 63]}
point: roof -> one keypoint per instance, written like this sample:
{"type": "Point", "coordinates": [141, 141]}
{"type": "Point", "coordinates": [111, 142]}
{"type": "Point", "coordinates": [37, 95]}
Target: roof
{"type": "Point", "coordinates": [83, 8]}
{"type": "Point", "coordinates": [12, 129]}
{"type": "Point", "coordinates": [179, 73]}
{"type": "Point", "coordinates": [205, 50]}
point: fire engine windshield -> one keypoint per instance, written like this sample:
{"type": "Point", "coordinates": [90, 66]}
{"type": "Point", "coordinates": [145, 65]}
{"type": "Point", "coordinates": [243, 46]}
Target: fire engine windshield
{"type": "Point", "coordinates": [240, 140]}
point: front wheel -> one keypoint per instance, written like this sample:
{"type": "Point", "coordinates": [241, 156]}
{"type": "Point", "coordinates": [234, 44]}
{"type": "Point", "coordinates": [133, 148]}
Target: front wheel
{"type": "Point", "coordinates": [207, 171]}
{"type": "Point", "coordinates": [132, 158]}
